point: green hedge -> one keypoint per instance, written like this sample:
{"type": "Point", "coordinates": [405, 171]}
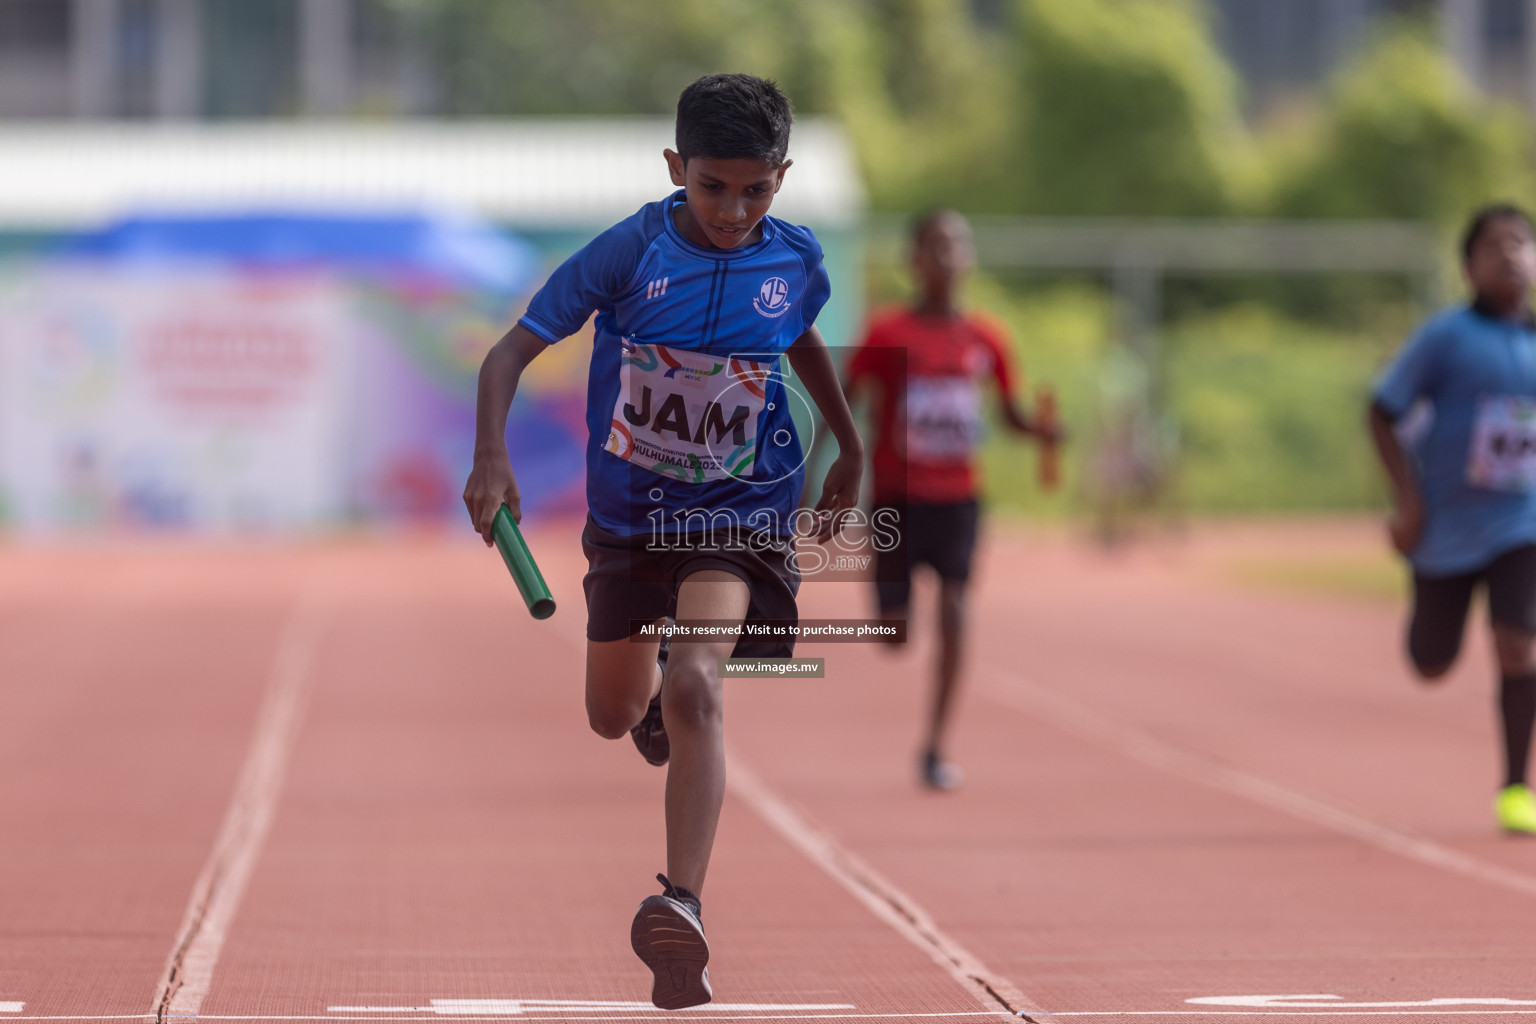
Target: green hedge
{"type": "Point", "coordinates": [1263, 413]}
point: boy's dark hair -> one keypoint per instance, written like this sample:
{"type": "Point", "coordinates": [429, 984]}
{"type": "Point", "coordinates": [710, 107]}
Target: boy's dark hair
{"type": "Point", "coordinates": [734, 117]}
{"type": "Point", "coordinates": [1486, 216]}
{"type": "Point", "coordinates": [928, 218]}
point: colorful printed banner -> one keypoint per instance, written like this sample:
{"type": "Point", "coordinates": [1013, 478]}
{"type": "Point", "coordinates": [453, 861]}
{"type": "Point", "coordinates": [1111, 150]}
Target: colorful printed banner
{"type": "Point", "coordinates": [269, 373]}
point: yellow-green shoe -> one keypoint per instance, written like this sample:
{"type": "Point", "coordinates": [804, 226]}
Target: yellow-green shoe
{"type": "Point", "coordinates": [1516, 809]}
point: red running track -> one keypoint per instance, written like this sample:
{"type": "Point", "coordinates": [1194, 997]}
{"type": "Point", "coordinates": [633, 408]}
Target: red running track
{"type": "Point", "coordinates": [353, 781]}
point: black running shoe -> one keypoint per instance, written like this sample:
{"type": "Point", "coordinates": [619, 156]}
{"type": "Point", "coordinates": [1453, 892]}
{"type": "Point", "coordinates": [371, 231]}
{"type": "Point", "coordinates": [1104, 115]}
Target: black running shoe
{"type": "Point", "coordinates": [650, 735]}
{"type": "Point", "coordinates": [669, 937]}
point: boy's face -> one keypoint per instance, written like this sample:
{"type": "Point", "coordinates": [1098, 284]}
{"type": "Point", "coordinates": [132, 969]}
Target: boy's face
{"type": "Point", "coordinates": [726, 198]}
{"type": "Point", "coordinates": [943, 253]}
{"type": "Point", "coordinates": [1502, 263]}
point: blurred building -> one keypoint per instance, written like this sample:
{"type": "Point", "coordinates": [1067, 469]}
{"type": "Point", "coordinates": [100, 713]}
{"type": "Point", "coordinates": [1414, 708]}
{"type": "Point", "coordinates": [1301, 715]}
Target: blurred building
{"type": "Point", "coordinates": [278, 58]}
{"type": "Point", "coordinates": [1284, 48]}
{"type": "Point", "coordinates": [554, 182]}
{"type": "Point", "coordinates": [207, 58]}
{"type": "Point", "coordinates": [273, 325]}
{"type": "Point", "coordinates": [186, 336]}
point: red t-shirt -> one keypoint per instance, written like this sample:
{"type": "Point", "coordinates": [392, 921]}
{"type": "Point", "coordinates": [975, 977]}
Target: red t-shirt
{"type": "Point", "coordinates": [928, 413]}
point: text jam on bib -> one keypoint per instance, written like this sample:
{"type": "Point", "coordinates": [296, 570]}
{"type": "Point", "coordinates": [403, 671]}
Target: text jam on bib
{"type": "Point", "coordinates": [688, 415]}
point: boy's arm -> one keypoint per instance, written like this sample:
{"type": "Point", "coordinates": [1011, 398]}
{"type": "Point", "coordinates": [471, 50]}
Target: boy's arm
{"type": "Point", "coordinates": [1407, 522]}
{"type": "Point", "coordinates": [491, 481]}
{"type": "Point", "coordinates": [859, 370]}
{"type": "Point", "coordinates": [1411, 376]}
{"type": "Point", "coordinates": [1015, 415]}
{"type": "Point", "coordinates": [1022, 422]}
{"type": "Point", "coordinates": [813, 365]}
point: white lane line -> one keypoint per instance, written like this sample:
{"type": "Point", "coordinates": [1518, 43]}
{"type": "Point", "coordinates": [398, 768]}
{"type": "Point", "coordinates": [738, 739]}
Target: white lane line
{"type": "Point", "coordinates": [506, 1007]}
{"type": "Point", "coordinates": [1326, 1001]}
{"type": "Point", "coordinates": [1290, 1013]}
{"type": "Point", "coordinates": [217, 894]}
{"type": "Point", "coordinates": [879, 895]}
{"type": "Point", "coordinates": [998, 995]}
{"type": "Point", "coordinates": [976, 1015]}
{"type": "Point", "coordinates": [1072, 717]}
{"type": "Point", "coordinates": [980, 1014]}
{"type": "Point", "coordinates": [11, 1007]}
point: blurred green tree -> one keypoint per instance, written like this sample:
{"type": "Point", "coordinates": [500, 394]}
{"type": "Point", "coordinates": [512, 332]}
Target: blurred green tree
{"type": "Point", "coordinates": [1401, 134]}
{"type": "Point", "coordinates": [522, 57]}
{"type": "Point", "coordinates": [1061, 107]}
{"type": "Point", "coordinates": [920, 86]}
{"type": "Point", "coordinates": [945, 130]}
{"type": "Point", "coordinates": [1127, 108]}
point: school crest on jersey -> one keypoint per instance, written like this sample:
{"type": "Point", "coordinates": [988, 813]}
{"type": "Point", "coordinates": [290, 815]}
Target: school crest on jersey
{"type": "Point", "coordinates": [773, 298]}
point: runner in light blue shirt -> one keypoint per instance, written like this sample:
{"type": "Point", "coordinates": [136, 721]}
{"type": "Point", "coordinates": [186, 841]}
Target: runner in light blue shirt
{"type": "Point", "coordinates": [1463, 474]}
{"type": "Point", "coordinates": [1476, 372]}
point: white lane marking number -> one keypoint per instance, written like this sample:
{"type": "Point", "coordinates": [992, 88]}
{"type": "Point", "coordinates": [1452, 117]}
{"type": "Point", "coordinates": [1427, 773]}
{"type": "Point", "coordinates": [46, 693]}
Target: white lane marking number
{"type": "Point", "coordinates": [1332, 1002]}
{"type": "Point", "coordinates": [515, 1007]}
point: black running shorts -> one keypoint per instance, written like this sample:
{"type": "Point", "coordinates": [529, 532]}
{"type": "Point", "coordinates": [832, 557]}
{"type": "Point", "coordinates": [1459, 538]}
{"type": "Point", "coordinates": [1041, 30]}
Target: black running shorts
{"type": "Point", "coordinates": [1440, 605]}
{"type": "Point", "coordinates": [631, 581]}
{"type": "Point", "coordinates": [942, 536]}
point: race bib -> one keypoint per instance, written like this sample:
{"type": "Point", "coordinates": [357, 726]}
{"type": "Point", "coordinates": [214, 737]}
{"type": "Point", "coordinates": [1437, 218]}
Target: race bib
{"type": "Point", "coordinates": [1503, 454]}
{"type": "Point", "coordinates": [687, 415]}
{"type": "Point", "coordinates": [944, 420]}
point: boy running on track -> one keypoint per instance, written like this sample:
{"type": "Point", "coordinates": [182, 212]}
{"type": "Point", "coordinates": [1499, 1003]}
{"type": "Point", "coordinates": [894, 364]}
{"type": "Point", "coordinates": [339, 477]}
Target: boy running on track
{"type": "Point", "coordinates": [1465, 488]}
{"type": "Point", "coordinates": [694, 469]}
{"type": "Point", "coordinates": [927, 366]}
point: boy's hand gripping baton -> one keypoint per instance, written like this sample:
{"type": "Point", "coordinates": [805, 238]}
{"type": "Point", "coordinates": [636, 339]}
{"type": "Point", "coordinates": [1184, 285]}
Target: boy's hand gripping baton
{"type": "Point", "coordinates": [520, 563]}
{"type": "Point", "coordinates": [1047, 416]}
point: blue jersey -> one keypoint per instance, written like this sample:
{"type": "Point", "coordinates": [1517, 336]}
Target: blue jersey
{"type": "Point", "coordinates": [687, 404]}
{"type": "Point", "coordinates": [1477, 459]}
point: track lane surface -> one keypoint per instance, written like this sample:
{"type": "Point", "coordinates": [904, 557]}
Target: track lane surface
{"type": "Point", "coordinates": [126, 696]}
{"type": "Point", "coordinates": [1098, 881]}
{"type": "Point", "coordinates": [449, 829]}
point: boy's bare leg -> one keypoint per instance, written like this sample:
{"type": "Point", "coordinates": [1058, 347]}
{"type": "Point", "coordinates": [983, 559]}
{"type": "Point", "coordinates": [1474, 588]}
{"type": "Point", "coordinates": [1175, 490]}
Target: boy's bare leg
{"type": "Point", "coordinates": [1516, 650]}
{"type": "Point", "coordinates": [947, 669]}
{"type": "Point", "coordinates": [692, 707]}
{"type": "Point", "coordinates": [622, 677]}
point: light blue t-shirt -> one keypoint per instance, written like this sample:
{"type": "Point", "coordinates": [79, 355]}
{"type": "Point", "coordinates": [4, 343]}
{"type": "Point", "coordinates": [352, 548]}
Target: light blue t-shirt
{"type": "Point", "coordinates": [1476, 462]}
{"type": "Point", "coordinates": [687, 405]}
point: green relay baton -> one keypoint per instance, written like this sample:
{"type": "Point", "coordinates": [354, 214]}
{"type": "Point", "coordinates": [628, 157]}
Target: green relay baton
{"type": "Point", "coordinates": [520, 563]}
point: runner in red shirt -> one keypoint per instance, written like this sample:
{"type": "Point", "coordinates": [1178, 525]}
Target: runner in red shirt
{"type": "Point", "coordinates": [926, 369]}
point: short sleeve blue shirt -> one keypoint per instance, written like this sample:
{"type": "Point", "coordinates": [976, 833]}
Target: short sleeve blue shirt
{"type": "Point", "coordinates": [688, 405]}
{"type": "Point", "coordinates": [1477, 460]}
